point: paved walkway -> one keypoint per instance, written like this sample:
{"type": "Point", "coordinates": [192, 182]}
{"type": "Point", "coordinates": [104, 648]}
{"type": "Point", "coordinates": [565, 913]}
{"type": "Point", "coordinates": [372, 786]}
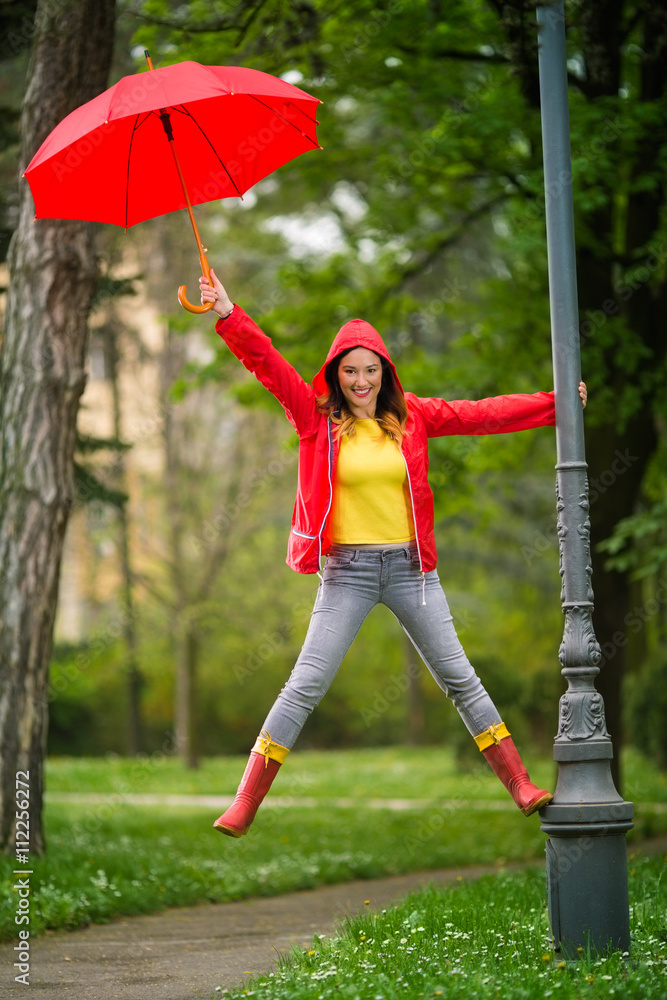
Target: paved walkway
{"type": "Point", "coordinates": [185, 954]}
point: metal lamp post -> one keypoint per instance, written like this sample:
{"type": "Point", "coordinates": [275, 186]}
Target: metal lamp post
{"type": "Point", "coordinates": [587, 819]}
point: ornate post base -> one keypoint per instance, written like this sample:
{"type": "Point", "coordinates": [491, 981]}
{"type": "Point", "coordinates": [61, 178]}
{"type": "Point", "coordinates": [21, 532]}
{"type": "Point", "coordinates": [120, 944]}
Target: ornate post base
{"type": "Point", "coordinates": [587, 819]}
{"type": "Point", "coordinates": [587, 880]}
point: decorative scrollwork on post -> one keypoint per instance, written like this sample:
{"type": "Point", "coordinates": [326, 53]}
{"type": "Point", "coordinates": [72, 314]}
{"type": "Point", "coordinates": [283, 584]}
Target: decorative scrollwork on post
{"type": "Point", "coordinates": [584, 531]}
{"type": "Point", "coordinates": [579, 647]}
{"type": "Point", "coordinates": [582, 716]}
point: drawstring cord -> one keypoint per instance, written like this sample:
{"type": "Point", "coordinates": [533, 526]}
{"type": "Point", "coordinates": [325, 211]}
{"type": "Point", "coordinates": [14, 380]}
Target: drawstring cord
{"type": "Point", "coordinates": [423, 587]}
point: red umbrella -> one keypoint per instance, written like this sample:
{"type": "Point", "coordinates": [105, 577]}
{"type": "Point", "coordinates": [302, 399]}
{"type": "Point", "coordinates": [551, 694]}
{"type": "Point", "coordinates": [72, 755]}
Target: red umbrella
{"type": "Point", "coordinates": [232, 126]}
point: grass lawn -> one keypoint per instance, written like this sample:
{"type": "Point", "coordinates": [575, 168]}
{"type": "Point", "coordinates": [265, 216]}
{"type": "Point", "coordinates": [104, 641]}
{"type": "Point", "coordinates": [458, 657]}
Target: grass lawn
{"type": "Point", "coordinates": [390, 772]}
{"type": "Point", "coordinates": [482, 940]}
{"type": "Point", "coordinates": [109, 858]}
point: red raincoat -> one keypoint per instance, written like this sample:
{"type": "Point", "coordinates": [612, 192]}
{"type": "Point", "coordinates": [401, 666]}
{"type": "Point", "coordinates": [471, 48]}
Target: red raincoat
{"type": "Point", "coordinates": [318, 447]}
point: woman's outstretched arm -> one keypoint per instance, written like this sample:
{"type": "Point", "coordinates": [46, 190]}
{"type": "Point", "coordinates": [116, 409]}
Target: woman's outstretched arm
{"type": "Point", "coordinates": [494, 415]}
{"type": "Point", "coordinates": [256, 353]}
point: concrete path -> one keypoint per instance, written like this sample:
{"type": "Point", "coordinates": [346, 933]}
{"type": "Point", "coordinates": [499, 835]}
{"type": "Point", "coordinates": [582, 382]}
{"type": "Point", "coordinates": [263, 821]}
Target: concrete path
{"type": "Point", "coordinates": [199, 952]}
{"type": "Point", "coordinates": [184, 954]}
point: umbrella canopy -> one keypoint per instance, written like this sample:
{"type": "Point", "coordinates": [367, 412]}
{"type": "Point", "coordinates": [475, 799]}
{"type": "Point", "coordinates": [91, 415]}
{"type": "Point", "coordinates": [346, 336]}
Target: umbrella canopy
{"type": "Point", "coordinates": [108, 161]}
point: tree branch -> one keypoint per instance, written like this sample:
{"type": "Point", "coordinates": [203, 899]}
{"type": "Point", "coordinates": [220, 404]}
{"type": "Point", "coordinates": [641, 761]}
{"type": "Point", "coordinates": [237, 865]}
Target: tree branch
{"type": "Point", "coordinates": [471, 55]}
{"type": "Point", "coordinates": [446, 242]}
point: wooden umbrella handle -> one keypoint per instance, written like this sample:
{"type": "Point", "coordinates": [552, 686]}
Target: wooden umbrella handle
{"type": "Point", "coordinates": [182, 298]}
{"type": "Point", "coordinates": [182, 291]}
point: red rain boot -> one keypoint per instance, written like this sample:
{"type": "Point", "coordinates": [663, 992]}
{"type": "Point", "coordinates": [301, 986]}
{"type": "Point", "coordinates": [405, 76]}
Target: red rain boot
{"type": "Point", "coordinates": [505, 761]}
{"type": "Point", "coordinates": [262, 767]}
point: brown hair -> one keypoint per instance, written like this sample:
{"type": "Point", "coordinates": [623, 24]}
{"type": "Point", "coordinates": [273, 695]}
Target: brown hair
{"type": "Point", "coordinates": [391, 410]}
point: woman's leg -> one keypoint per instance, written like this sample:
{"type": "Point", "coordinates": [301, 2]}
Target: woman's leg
{"type": "Point", "coordinates": [346, 596]}
{"type": "Point", "coordinates": [343, 601]}
{"type": "Point", "coordinates": [430, 628]}
{"type": "Point", "coordinates": [421, 608]}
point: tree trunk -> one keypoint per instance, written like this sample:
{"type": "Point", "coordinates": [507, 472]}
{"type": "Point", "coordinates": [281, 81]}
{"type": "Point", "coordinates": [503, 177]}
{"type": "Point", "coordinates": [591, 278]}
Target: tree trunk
{"type": "Point", "coordinates": [135, 679]}
{"type": "Point", "coordinates": [52, 278]}
{"type": "Point", "coordinates": [186, 689]}
{"type": "Point", "coordinates": [171, 366]}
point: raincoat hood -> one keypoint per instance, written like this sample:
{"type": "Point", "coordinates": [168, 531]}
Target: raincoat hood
{"type": "Point", "coordinates": [356, 333]}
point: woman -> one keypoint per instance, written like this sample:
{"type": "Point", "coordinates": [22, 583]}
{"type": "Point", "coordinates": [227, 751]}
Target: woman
{"type": "Point", "coordinates": [363, 501]}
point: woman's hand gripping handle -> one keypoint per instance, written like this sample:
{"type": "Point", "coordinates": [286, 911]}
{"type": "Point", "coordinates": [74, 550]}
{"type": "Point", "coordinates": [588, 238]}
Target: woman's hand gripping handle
{"type": "Point", "coordinates": [214, 296]}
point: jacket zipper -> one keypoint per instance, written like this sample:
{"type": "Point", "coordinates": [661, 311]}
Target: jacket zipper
{"type": "Point", "coordinates": [414, 521]}
{"type": "Point", "coordinates": [326, 513]}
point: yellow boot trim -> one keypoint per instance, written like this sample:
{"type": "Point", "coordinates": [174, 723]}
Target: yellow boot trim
{"type": "Point", "coordinates": [269, 750]}
{"type": "Point", "coordinates": [494, 734]}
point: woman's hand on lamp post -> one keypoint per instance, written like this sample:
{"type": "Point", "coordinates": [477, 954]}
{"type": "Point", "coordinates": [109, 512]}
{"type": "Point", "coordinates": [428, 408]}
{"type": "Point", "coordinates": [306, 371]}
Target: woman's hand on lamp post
{"type": "Point", "coordinates": [583, 392]}
{"type": "Point", "coordinates": [212, 290]}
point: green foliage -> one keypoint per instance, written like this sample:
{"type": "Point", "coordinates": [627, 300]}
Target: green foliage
{"type": "Point", "coordinates": [90, 489]}
{"type": "Point", "coordinates": [481, 939]}
{"type": "Point", "coordinates": [88, 708]}
{"type": "Point", "coordinates": [109, 288]}
{"type": "Point", "coordinates": [646, 708]}
{"type": "Point", "coordinates": [639, 542]}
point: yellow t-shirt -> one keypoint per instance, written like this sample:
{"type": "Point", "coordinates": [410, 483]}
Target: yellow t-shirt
{"type": "Point", "coordinates": [371, 497]}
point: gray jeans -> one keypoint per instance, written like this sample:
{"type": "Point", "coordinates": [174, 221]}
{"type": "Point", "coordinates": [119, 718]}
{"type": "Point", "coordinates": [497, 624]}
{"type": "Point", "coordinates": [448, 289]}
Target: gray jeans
{"type": "Point", "coordinates": [353, 582]}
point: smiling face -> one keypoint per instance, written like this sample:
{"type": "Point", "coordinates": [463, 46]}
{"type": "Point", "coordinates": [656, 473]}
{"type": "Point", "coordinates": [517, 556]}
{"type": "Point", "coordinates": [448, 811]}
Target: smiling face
{"type": "Point", "coordinates": [360, 378]}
